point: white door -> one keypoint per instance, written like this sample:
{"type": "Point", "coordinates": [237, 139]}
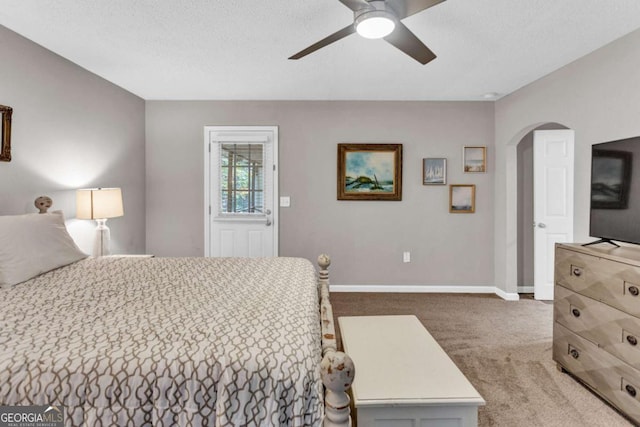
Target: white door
{"type": "Point", "coordinates": [552, 204]}
{"type": "Point", "coordinates": [241, 187]}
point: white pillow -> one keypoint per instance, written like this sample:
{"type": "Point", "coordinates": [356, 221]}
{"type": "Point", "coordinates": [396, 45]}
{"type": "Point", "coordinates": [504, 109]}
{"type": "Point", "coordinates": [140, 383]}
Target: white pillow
{"type": "Point", "coordinates": [33, 244]}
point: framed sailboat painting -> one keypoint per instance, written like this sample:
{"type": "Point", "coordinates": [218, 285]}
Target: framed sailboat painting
{"type": "Point", "coordinates": [434, 171]}
{"type": "Point", "coordinates": [370, 172]}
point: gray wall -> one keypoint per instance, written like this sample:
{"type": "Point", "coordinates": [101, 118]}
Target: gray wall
{"type": "Point", "coordinates": [71, 129]}
{"type": "Point", "coordinates": [365, 239]}
{"type": "Point", "coordinates": [599, 97]}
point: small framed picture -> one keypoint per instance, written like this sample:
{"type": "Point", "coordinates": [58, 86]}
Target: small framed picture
{"type": "Point", "coordinates": [434, 171]}
{"type": "Point", "coordinates": [474, 159]}
{"type": "Point", "coordinates": [462, 198]}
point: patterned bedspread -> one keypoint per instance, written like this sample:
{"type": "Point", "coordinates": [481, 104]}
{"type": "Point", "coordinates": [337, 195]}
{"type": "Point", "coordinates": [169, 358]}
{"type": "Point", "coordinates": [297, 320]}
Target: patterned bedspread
{"type": "Point", "coordinates": [166, 341]}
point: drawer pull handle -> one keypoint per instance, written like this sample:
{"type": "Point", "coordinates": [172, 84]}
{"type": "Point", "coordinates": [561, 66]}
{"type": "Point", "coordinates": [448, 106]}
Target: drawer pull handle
{"type": "Point", "coordinates": [633, 290]}
{"type": "Point", "coordinates": [575, 312]}
{"type": "Point", "coordinates": [631, 390]}
{"type": "Point", "coordinates": [632, 340]}
{"type": "Point", "coordinates": [577, 272]}
{"type": "Point", "coordinates": [574, 353]}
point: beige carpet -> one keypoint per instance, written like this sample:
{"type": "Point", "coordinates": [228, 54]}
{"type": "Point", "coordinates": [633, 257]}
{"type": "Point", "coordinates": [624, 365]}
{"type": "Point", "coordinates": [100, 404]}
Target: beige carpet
{"type": "Point", "coordinates": [504, 349]}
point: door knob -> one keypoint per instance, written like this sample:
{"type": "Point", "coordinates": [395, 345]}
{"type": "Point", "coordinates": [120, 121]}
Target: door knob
{"type": "Point", "coordinates": [542, 225]}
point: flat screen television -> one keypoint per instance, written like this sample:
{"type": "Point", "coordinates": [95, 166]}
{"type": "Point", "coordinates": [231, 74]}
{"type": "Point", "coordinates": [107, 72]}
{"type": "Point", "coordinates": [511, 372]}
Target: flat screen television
{"type": "Point", "coordinates": [615, 191]}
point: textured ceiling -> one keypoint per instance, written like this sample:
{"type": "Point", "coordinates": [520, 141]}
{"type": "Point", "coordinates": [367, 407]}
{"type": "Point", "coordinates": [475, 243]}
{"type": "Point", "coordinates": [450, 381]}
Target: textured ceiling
{"type": "Point", "coordinates": [238, 49]}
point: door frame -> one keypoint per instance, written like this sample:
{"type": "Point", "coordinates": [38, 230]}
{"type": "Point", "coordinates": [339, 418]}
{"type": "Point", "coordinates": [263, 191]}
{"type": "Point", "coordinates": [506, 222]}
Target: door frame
{"type": "Point", "coordinates": [207, 180]}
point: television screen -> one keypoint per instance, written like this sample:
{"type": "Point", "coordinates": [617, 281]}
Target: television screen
{"type": "Point", "coordinates": [615, 190]}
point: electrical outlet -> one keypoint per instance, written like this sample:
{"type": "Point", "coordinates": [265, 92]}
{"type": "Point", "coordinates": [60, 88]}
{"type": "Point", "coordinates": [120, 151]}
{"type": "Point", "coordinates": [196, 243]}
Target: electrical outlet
{"type": "Point", "coordinates": [406, 257]}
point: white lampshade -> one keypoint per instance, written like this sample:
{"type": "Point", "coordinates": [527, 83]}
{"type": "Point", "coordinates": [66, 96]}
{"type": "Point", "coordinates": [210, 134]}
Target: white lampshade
{"type": "Point", "coordinates": [375, 24]}
{"type": "Point", "coordinates": [99, 203]}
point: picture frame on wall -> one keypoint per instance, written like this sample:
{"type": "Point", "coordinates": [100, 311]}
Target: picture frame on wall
{"type": "Point", "coordinates": [462, 198]}
{"type": "Point", "coordinates": [434, 171]}
{"type": "Point", "coordinates": [474, 159]}
{"type": "Point", "coordinates": [5, 137]}
{"type": "Point", "coordinates": [369, 172]}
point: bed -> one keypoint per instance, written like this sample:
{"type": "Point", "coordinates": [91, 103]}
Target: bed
{"type": "Point", "coordinates": [169, 341]}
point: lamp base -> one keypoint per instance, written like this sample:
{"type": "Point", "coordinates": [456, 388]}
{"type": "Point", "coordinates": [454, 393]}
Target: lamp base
{"type": "Point", "coordinates": [103, 238]}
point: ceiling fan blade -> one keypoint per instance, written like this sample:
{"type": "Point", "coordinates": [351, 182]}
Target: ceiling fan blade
{"type": "Point", "coordinates": [404, 8]}
{"type": "Point", "coordinates": [406, 41]}
{"type": "Point", "coordinates": [356, 5]}
{"type": "Point", "coordinates": [325, 41]}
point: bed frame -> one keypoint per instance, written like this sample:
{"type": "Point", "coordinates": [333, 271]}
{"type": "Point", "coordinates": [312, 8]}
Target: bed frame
{"type": "Point", "coordinates": [337, 368]}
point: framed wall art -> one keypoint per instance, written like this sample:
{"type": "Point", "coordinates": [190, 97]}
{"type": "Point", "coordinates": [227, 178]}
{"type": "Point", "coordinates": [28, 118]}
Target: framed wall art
{"type": "Point", "coordinates": [462, 198]}
{"type": "Point", "coordinates": [434, 171]}
{"type": "Point", "coordinates": [5, 138]}
{"type": "Point", "coordinates": [475, 159]}
{"type": "Point", "coordinates": [370, 172]}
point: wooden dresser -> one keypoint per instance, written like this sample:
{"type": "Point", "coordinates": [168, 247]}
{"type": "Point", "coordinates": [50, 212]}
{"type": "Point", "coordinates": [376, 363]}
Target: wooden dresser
{"type": "Point", "coordinates": [596, 329]}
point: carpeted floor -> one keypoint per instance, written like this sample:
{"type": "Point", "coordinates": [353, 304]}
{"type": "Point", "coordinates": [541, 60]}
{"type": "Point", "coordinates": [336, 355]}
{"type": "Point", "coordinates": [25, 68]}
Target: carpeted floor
{"type": "Point", "coordinates": [504, 349]}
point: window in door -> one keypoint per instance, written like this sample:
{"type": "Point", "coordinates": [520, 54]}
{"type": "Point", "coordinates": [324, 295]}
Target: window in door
{"type": "Point", "coordinates": [241, 178]}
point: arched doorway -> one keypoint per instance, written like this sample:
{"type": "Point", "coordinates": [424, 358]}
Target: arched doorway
{"type": "Point", "coordinates": [525, 271]}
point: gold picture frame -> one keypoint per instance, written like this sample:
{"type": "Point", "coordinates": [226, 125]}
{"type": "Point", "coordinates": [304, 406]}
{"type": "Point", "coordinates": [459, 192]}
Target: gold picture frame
{"type": "Point", "coordinates": [474, 159]}
{"type": "Point", "coordinates": [370, 172]}
{"type": "Point", "coordinates": [5, 139]}
{"type": "Point", "coordinates": [462, 198]}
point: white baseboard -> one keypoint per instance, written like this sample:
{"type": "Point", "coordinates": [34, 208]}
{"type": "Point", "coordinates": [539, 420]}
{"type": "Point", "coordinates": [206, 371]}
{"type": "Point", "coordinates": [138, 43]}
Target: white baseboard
{"type": "Point", "coordinates": [526, 289]}
{"type": "Point", "coordinates": [427, 289]}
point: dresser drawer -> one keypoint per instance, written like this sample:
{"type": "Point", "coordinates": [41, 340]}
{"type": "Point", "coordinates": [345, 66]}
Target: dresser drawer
{"type": "Point", "coordinates": [614, 283]}
{"type": "Point", "coordinates": [577, 271]}
{"type": "Point", "coordinates": [613, 379]}
{"type": "Point", "coordinates": [581, 357]}
{"type": "Point", "coordinates": [613, 330]}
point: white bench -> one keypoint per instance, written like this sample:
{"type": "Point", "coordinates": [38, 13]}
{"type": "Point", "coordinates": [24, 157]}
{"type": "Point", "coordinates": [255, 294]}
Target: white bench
{"type": "Point", "coordinates": [403, 377]}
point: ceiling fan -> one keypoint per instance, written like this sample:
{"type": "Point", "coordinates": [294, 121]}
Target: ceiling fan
{"type": "Point", "coordinates": [382, 19]}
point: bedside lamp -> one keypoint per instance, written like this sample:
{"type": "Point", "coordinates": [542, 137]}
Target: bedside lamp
{"type": "Point", "coordinates": [99, 204]}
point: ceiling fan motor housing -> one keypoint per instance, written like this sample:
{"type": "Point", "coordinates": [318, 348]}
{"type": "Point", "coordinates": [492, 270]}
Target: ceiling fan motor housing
{"type": "Point", "coordinates": [378, 9]}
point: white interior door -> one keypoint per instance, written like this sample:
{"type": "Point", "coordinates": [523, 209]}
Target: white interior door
{"type": "Point", "coordinates": [241, 187]}
{"type": "Point", "coordinates": [553, 202]}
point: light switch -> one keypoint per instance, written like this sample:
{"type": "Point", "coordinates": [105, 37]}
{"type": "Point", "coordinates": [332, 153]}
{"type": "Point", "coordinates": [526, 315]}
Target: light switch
{"type": "Point", "coordinates": [285, 201]}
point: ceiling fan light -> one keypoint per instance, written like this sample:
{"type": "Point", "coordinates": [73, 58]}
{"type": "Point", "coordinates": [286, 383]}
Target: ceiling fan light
{"type": "Point", "coordinates": [375, 24]}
